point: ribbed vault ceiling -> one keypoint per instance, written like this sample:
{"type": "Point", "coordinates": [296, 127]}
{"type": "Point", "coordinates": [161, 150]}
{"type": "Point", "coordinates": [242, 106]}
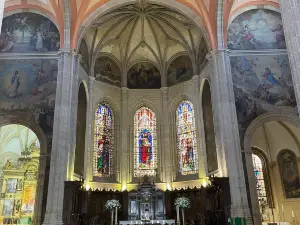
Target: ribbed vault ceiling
{"type": "Point", "coordinates": [145, 32]}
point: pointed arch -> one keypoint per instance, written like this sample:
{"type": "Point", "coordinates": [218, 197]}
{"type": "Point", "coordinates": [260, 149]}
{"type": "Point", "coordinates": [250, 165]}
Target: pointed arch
{"type": "Point", "coordinates": [103, 141]}
{"type": "Point", "coordinates": [186, 139]}
{"type": "Point", "coordinates": [145, 142]}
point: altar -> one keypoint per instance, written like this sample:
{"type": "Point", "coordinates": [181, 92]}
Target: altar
{"type": "Point", "coordinates": [152, 222]}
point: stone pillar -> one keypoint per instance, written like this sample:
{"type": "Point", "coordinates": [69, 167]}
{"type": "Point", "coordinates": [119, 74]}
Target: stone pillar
{"type": "Point", "coordinates": [290, 11]}
{"type": "Point", "coordinates": [227, 133]}
{"type": "Point", "coordinates": [200, 133]}
{"type": "Point", "coordinates": [166, 150]}
{"type": "Point", "coordinates": [124, 168]}
{"type": "Point", "coordinates": [2, 3]}
{"type": "Point", "coordinates": [89, 134]}
{"type": "Point", "coordinates": [62, 137]}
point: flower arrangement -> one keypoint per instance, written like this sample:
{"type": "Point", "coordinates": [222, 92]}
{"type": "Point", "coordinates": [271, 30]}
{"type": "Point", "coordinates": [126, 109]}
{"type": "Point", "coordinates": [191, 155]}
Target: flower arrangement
{"type": "Point", "coordinates": [182, 202]}
{"type": "Point", "coordinates": [112, 204]}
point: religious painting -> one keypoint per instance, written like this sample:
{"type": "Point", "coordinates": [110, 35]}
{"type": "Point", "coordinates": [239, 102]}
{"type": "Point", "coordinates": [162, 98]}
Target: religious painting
{"type": "Point", "coordinates": [84, 52]}
{"type": "Point", "coordinates": [103, 141]}
{"type": "Point", "coordinates": [186, 139]}
{"type": "Point", "coordinates": [107, 71]}
{"type": "Point", "coordinates": [262, 84]}
{"type": "Point", "coordinates": [180, 70]}
{"type": "Point", "coordinates": [289, 172]}
{"type": "Point", "coordinates": [143, 76]}
{"type": "Point", "coordinates": [8, 207]}
{"type": "Point", "coordinates": [28, 200]}
{"type": "Point", "coordinates": [29, 85]}
{"type": "Point", "coordinates": [211, 151]}
{"type": "Point", "coordinates": [11, 185]}
{"type": "Point", "coordinates": [256, 29]}
{"type": "Point", "coordinates": [28, 32]}
{"type": "Point", "coordinates": [145, 143]}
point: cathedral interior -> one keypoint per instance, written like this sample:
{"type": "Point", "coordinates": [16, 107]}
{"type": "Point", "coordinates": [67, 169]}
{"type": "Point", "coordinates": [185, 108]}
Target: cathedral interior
{"type": "Point", "coordinates": [146, 102]}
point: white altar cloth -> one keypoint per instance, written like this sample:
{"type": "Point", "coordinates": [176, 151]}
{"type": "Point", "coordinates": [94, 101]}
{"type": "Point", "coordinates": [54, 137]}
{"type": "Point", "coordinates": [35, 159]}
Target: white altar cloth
{"type": "Point", "coordinates": [139, 222]}
{"type": "Point", "coordinates": [278, 223]}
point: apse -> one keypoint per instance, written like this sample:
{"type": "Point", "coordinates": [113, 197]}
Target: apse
{"type": "Point", "coordinates": [144, 46]}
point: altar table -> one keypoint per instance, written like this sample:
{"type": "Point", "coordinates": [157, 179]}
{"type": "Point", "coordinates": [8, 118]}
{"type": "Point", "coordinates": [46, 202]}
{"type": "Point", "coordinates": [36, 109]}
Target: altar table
{"type": "Point", "coordinates": [138, 222]}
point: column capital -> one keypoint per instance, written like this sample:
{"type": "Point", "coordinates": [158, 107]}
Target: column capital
{"type": "Point", "coordinates": [124, 89]}
{"type": "Point", "coordinates": [164, 89]}
{"type": "Point", "coordinates": [216, 52]}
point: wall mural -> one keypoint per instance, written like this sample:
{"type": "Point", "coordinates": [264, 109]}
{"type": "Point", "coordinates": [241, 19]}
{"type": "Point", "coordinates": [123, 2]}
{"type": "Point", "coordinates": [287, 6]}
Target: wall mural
{"type": "Point", "coordinates": [29, 85]}
{"type": "Point", "coordinates": [84, 52]}
{"type": "Point", "coordinates": [289, 173]}
{"type": "Point", "coordinates": [143, 76]}
{"type": "Point", "coordinates": [19, 153]}
{"type": "Point", "coordinates": [256, 29]}
{"type": "Point", "coordinates": [180, 70]}
{"type": "Point", "coordinates": [28, 32]}
{"type": "Point", "coordinates": [107, 71]}
{"type": "Point", "coordinates": [262, 84]}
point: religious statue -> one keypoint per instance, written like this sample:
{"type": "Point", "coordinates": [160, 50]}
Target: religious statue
{"type": "Point", "coordinates": [7, 166]}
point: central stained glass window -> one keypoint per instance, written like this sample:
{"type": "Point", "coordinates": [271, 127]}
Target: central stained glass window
{"type": "Point", "coordinates": [103, 141]}
{"type": "Point", "coordinates": [186, 139]}
{"type": "Point", "coordinates": [145, 143]}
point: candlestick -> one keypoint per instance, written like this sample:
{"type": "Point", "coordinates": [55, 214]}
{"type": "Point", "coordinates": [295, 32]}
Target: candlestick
{"type": "Point", "coordinates": [116, 219]}
{"type": "Point", "coordinates": [112, 217]}
{"type": "Point", "coordinates": [182, 210]}
{"type": "Point", "coordinates": [282, 208]}
{"type": "Point", "coordinates": [293, 214]}
{"type": "Point", "coordinates": [177, 210]}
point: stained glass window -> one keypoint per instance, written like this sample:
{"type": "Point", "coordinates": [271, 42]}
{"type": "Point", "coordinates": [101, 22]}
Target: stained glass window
{"type": "Point", "coordinates": [103, 141]}
{"type": "Point", "coordinates": [145, 143]}
{"type": "Point", "coordinates": [186, 139]}
{"type": "Point", "coordinates": [260, 182]}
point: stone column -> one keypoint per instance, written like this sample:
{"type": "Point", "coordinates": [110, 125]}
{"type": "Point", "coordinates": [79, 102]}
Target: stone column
{"type": "Point", "coordinates": [290, 11]}
{"type": "Point", "coordinates": [2, 3]}
{"type": "Point", "coordinates": [166, 150]}
{"type": "Point", "coordinates": [62, 137]}
{"type": "Point", "coordinates": [200, 134]}
{"type": "Point", "coordinates": [124, 168]}
{"type": "Point", "coordinates": [89, 134]}
{"type": "Point", "coordinates": [227, 133]}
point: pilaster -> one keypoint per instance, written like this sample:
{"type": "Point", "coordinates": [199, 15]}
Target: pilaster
{"type": "Point", "coordinates": [124, 169]}
{"type": "Point", "coordinates": [290, 11]}
{"type": "Point", "coordinates": [166, 151]}
{"type": "Point", "coordinates": [63, 133]}
{"type": "Point", "coordinates": [89, 144]}
{"type": "Point", "coordinates": [227, 133]}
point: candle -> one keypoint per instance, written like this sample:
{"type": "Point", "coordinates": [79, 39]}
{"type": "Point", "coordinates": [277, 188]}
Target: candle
{"type": "Point", "coordinates": [293, 214]}
{"type": "Point", "coordinates": [282, 208]}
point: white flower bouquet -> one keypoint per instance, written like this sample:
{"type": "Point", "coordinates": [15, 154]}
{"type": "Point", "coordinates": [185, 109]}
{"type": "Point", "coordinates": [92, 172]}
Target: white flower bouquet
{"type": "Point", "coordinates": [112, 204]}
{"type": "Point", "coordinates": [182, 202]}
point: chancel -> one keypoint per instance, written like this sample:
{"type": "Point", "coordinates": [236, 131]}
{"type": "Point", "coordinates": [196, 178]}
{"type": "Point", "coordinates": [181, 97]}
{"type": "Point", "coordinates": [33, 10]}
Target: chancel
{"type": "Point", "coordinates": [149, 112]}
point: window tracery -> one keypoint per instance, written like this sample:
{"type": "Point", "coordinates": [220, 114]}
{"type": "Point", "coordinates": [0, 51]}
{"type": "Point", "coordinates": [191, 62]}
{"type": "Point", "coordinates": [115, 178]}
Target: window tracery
{"type": "Point", "coordinates": [103, 141]}
{"type": "Point", "coordinates": [186, 139]}
{"type": "Point", "coordinates": [145, 143]}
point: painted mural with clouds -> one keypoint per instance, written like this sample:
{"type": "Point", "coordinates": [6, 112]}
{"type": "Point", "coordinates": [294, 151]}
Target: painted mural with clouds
{"type": "Point", "coordinates": [29, 86]}
{"type": "Point", "coordinates": [262, 84]}
{"type": "Point", "coordinates": [256, 29]}
{"type": "Point", "coordinates": [28, 32]}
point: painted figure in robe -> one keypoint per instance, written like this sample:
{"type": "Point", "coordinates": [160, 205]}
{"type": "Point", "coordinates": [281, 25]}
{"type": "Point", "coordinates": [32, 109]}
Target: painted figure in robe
{"type": "Point", "coordinates": [145, 146]}
{"type": "Point", "coordinates": [103, 155]}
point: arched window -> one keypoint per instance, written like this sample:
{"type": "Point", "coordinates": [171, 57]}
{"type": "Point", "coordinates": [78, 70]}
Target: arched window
{"type": "Point", "coordinates": [103, 141]}
{"type": "Point", "coordinates": [145, 143]}
{"type": "Point", "coordinates": [260, 182]}
{"type": "Point", "coordinates": [186, 139]}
